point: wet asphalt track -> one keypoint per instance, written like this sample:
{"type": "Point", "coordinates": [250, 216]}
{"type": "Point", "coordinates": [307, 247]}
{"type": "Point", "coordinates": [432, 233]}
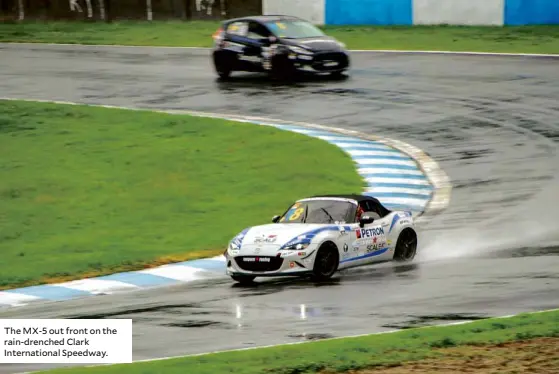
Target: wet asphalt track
{"type": "Point", "coordinates": [492, 123]}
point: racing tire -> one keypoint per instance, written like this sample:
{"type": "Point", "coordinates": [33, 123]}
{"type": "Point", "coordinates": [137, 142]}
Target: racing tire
{"type": "Point", "coordinates": [243, 279]}
{"type": "Point", "coordinates": [221, 68]}
{"type": "Point", "coordinates": [282, 68]}
{"type": "Point", "coordinates": [338, 74]}
{"type": "Point", "coordinates": [326, 262]}
{"type": "Point", "coordinates": [224, 73]}
{"type": "Point", "coordinates": [406, 246]}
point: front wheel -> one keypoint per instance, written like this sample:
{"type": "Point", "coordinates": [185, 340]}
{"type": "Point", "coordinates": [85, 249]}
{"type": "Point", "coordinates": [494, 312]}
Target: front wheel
{"type": "Point", "coordinates": [222, 72]}
{"type": "Point", "coordinates": [326, 262]}
{"type": "Point", "coordinates": [243, 279]}
{"type": "Point", "coordinates": [406, 246]}
{"type": "Point", "coordinates": [282, 68]}
{"type": "Point", "coordinates": [338, 74]}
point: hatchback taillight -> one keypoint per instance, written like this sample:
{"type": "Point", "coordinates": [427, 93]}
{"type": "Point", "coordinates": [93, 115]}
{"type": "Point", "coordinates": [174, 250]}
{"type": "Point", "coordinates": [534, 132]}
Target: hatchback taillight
{"type": "Point", "coordinates": [217, 34]}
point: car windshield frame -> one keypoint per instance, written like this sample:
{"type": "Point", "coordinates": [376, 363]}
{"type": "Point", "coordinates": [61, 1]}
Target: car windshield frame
{"type": "Point", "coordinates": [320, 211]}
{"type": "Point", "coordinates": [291, 29]}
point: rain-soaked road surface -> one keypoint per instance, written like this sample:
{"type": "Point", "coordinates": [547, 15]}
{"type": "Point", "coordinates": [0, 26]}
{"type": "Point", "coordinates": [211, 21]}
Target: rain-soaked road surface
{"type": "Point", "coordinates": [492, 123]}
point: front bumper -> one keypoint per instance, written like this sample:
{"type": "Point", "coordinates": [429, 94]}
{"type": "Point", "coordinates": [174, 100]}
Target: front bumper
{"type": "Point", "coordinates": [284, 263]}
{"type": "Point", "coordinates": [320, 62]}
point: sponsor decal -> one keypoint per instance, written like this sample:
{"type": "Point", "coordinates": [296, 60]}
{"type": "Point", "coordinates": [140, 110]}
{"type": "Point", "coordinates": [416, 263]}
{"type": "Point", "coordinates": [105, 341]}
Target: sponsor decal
{"type": "Point", "coordinates": [345, 247]}
{"type": "Point", "coordinates": [266, 239]}
{"type": "Point", "coordinates": [256, 259]}
{"type": "Point", "coordinates": [369, 233]}
{"type": "Point", "coordinates": [250, 58]}
{"type": "Point", "coordinates": [375, 247]}
{"type": "Point", "coordinates": [233, 47]}
{"type": "Point", "coordinates": [291, 264]}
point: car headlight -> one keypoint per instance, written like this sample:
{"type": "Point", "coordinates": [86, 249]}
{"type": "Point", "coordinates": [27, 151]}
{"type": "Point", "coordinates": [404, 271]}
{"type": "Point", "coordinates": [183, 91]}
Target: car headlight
{"type": "Point", "coordinates": [296, 246]}
{"type": "Point", "coordinates": [300, 50]}
{"type": "Point", "coordinates": [342, 44]}
{"type": "Point", "coordinates": [298, 243]}
{"type": "Point", "coordinates": [236, 242]}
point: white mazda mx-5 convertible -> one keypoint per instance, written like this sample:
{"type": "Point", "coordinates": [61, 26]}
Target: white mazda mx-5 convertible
{"type": "Point", "coordinates": [320, 235]}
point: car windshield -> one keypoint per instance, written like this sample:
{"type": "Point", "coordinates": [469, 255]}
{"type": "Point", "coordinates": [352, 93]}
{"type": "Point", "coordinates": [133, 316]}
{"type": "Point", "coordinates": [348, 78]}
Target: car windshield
{"type": "Point", "coordinates": [318, 211]}
{"type": "Point", "coordinates": [294, 29]}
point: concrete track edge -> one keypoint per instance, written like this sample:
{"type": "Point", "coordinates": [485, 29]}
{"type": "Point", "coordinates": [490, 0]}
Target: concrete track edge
{"type": "Point", "coordinates": [195, 270]}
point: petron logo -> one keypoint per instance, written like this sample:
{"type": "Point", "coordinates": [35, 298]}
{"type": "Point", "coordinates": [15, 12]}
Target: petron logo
{"type": "Point", "coordinates": [369, 233]}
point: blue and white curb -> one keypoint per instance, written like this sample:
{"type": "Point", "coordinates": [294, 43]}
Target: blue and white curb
{"type": "Point", "coordinates": [398, 174]}
{"type": "Point", "coordinates": [391, 176]}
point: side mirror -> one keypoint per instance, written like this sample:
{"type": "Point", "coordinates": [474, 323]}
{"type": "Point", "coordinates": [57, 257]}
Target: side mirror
{"type": "Point", "coordinates": [275, 219]}
{"type": "Point", "coordinates": [365, 220]}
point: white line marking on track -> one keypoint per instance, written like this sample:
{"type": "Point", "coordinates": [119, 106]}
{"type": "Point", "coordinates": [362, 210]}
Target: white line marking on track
{"type": "Point", "coordinates": [375, 153]}
{"type": "Point", "coordinates": [404, 201]}
{"type": "Point", "coordinates": [366, 145]}
{"type": "Point", "coordinates": [399, 190]}
{"type": "Point", "coordinates": [385, 161]}
{"type": "Point", "coordinates": [176, 272]}
{"type": "Point", "coordinates": [321, 340]}
{"type": "Point", "coordinates": [396, 51]}
{"type": "Point", "coordinates": [389, 171]}
{"type": "Point", "coordinates": [96, 285]}
{"type": "Point", "coordinates": [418, 182]}
{"type": "Point", "coordinates": [13, 298]}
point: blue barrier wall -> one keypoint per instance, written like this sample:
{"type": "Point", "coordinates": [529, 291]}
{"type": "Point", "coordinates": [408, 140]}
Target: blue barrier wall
{"type": "Point", "coordinates": [531, 12]}
{"type": "Point", "coordinates": [368, 12]}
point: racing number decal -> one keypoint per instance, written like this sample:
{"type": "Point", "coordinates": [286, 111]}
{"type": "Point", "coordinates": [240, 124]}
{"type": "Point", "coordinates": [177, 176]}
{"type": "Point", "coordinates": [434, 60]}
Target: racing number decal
{"type": "Point", "coordinates": [296, 214]}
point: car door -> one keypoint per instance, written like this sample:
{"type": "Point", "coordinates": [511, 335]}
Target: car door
{"type": "Point", "coordinates": [354, 247]}
{"type": "Point", "coordinates": [256, 42]}
{"type": "Point", "coordinates": [374, 235]}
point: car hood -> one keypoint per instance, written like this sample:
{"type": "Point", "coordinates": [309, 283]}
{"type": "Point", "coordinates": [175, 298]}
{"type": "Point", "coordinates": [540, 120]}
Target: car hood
{"type": "Point", "coordinates": [280, 233]}
{"type": "Point", "coordinates": [320, 44]}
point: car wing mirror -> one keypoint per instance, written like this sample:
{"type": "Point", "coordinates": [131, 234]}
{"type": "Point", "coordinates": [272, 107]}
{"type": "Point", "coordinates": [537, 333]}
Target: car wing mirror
{"type": "Point", "coordinates": [365, 220]}
{"type": "Point", "coordinates": [275, 219]}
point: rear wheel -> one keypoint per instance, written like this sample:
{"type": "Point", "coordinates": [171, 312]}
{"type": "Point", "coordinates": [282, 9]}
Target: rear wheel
{"type": "Point", "coordinates": [222, 66]}
{"type": "Point", "coordinates": [406, 246]}
{"type": "Point", "coordinates": [243, 279]}
{"type": "Point", "coordinates": [326, 262]}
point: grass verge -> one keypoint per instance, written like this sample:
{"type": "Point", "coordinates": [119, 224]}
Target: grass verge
{"type": "Point", "coordinates": [87, 191]}
{"type": "Point", "coordinates": [512, 39]}
{"type": "Point", "coordinates": [352, 354]}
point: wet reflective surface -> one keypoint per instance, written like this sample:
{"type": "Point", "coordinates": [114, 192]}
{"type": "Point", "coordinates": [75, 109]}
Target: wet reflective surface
{"type": "Point", "coordinates": [492, 123]}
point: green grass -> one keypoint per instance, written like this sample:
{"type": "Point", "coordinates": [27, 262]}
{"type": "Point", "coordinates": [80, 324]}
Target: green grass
{"type": "Point", "coordinates": [517, 39]}
{"type": "Point", "coordinates": [87, 191]}
{"type": "Point", "coordinates": [350, 353]}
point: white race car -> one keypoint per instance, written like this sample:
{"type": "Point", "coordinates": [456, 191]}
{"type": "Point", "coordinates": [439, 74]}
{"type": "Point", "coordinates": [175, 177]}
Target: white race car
{"type": "Point", "coordinates": [320, 235]}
